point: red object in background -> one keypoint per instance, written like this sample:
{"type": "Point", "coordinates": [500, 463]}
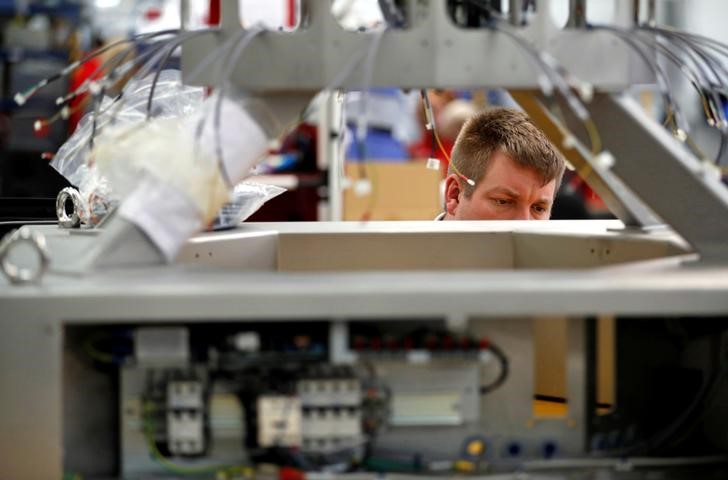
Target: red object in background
{"type": "Point", "coordinates": [77, 78]}
{"type": "Point", "coordinates": [44, 129]}
{"type": "Point", "coordinates": [288, 473]}
{"type": "Point", "coordinates": [291, 17]}
{"type": "Point", "coordinates": [423, 149]}
{"type": "Point", "coordinates": [214, 16]}
{"type": "Point", "coordinates": [153, 14]}
{"type": "Point", "coordinates": [593, 202]}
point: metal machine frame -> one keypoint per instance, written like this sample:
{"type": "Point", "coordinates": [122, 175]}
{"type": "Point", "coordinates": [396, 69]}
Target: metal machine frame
{"type": "Point", "coordinates": [463, 287]}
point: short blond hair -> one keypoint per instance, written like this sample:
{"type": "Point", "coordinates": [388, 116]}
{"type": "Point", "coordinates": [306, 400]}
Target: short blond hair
{"type": "Point", "coordinates": [511, 132]}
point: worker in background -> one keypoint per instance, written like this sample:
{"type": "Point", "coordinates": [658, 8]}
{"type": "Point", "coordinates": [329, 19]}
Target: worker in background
{"type": "Point", "coordinates": [503, 168]}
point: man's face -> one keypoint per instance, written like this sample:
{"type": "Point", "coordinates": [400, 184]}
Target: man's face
{"type": "Point", "coordinates": [507, 191]}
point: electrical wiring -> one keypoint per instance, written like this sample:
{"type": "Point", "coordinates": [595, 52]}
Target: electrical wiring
{"type": "Point", "coordinates": [149, 431]}
{"type": "Point", "coordinates": [95, 354]}
{"type": "Point", "coordinates": [431, 125]}
{"type": "Point", "coordinates": [693, 79]}
{"type": "Point", "coordinates": [555, 74]}
{"type": "Point", "coordinates": [363, 122]}
{"type": "Point", "coordinates": [170, 48]}
{"type": "Point", "coordinates": [97, 97]}
{"type": "Point", "coordinates": [220, 52]}
{"type": "Point", "coordinates": [695, 71]}
{"type": "Point", "coordinates": [682, 423]}
{"type": "Point", "coordinates": [504, 370]}
{"type": "Point", "coordinates": [64, 111]}
{"type": "Point", "coordinates": [232, 62]}
{"type": "Point", "coordinates": [90, 348]}
{"type": "Point", "coordinates": [22, 97]}
{"type": "Point", "coordinates": [110, 77]}
{"type": "Point", "coordinates": [157, 53]}
{"type": "Point", "coordinates": [706, 49]}
{"type": "Point", "coordinates": [98, 87]}
{"type": "Point", "coordinates": [673, 120]}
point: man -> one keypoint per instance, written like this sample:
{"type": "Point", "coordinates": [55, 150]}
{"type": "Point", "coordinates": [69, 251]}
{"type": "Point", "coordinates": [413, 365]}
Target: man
{"type": "Point", "coordinates": [514, 169]}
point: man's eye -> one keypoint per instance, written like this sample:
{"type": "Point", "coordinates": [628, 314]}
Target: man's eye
{"type": "Point", "coordinates": [539, 209]}
{"type": "Point", "coordinates": [501, 201]}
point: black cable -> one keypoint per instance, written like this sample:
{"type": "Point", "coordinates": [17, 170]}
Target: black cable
{"type": "Point", "coordinates": [392, 14]}
{"type": "Point", "coordinates": [98, 97]}
{"type": "Point", "coordinates": [654, 65]}
{"type": "Point", "coordinates": [502, 375]}
{"type": "Point", "coordinates": [688, 44]}
{"type": "Point", "coordinates": [21, 98]}
{"type": "Point", "coordinates": [238, 50]}
{"type": "Point", "coordinates": [171, 48]}
{"type": "Point", "coordinates": [666, 436]}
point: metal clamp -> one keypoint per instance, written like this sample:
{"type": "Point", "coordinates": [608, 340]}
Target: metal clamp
{"type": "Point", "coordinates": [18, 274]}
{"type": "Point", "coordinates": [64, 219]}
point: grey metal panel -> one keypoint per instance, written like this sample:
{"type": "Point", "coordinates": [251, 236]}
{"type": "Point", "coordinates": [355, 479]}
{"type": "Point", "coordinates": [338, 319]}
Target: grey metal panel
{"type": "Point", "coordinates": [664, 174]}
{"type": "Point", "coordinates": [172, 293]}
{"type": "Point", "coordinates": [620, 200]}
{"type": "Point", "coordinates": [433, 52]}
{"type": "Point", "coordinates": [30, 398]}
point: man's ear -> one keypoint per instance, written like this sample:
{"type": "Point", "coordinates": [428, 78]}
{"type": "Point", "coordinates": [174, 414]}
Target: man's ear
{"type": "Point", "coordinates": [452, 194]}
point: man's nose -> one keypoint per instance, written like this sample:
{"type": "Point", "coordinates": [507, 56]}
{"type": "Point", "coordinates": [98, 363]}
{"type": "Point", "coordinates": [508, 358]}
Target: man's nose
{"type": "Point", "coordinates": [522, 213]}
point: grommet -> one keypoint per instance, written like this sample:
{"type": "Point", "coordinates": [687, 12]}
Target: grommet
{"type": "Point", "coordinates": [18, 274]}
{"type": "Point", "coordinates": [64, 219]}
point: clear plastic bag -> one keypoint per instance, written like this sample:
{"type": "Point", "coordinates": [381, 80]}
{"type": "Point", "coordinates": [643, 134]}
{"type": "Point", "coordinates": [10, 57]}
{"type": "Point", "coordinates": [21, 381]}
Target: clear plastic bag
{"type": "Point", "coordinates": [129, 147]}
{"type": "Point", "coordinates": [248, 197]}
{"type": "Point", "coordinates": [96, 194]}
{"type": "Point", "coordinates": [172, 99]}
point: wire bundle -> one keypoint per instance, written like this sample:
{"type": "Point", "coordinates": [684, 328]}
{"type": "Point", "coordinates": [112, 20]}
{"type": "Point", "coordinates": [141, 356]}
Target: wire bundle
{"type": "Point", "coordinates": [700, 60]}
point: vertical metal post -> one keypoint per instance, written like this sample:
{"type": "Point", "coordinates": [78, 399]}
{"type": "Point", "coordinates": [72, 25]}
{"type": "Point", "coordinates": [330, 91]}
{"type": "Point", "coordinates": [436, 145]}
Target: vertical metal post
{"type": "Point", "coordinates": [577, 14]}
{"type": "Point", "coordinates": [515, 12]}
{"type": "Point", "coordinates": [184, 14]}
{"type": "Point", "coordinates": [30, 381]}
{"type": "Point", "coordinates": [636, 12]}
{"type": "Point", "coordinates": [576, 377]}
{"type": "Point", "coordinates": [330, 156]}
{"type": "Point", "coordinates": [651, 13]}
{"type": "Point", "coordinates": [339, 353]}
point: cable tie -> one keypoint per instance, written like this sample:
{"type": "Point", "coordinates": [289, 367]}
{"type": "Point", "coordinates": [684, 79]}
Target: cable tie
{"type": "Point", "coordinates": [70, 68]}
{"type": "Point", "coordinates": [568, 142]}
{"type": "Point", "coordinates": [362, 187]}
{"type": "Point", "coordinates": [586, 91]}
{"type": "Point", "coordinates": [19, 99]}
{"type": "Point", "coordinates": [65, 112]}
{"type": "Point", "coordinates": [433, 164]}
{"type": "Point", "coordinates": [604, 160]}
{"type": "Point", "coordinates": [710, 169]}
{"type": "Point", "coordinates": [94, 88]}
